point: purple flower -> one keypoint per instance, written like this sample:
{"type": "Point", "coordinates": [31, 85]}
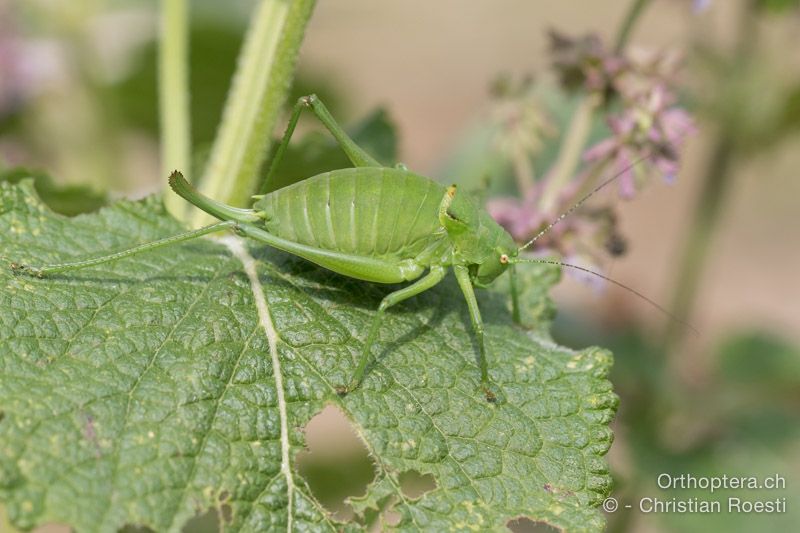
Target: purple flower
{"type": "Point", "coordinates": [585, 62]}
{"type": "Point", "coordinates": [520, 218]}
{"type": "Point", "coordinates": [649, 128]}
{"type": "Point", "coordinates": [597, 283]}
{"type": "Point", "coordinates": [28, 67]}
{"type": "Point", "coordinates": [698, 6]}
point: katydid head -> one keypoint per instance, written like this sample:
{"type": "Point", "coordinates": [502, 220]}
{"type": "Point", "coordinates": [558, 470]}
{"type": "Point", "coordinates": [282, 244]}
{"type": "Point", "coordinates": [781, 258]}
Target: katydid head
{"type": "Point", "coordinates": [495, 263]}
{"type": "Point", "coordinates": [479, 242]}
{"type": "Point", "coordinates": [494, 266]}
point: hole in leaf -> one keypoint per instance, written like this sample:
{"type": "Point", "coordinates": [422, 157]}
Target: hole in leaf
{"type": "Point", "coordinates": [336, 465]}
{"type": "Point", "coordinates": [391, 517]}
{"type": "Point", "coordinates": [53, 528]}
{"type": "Point", "coordinates": [207, 522]}
{"type": "Point", "coordinates": [134, 528]}
{"type": "Point", "coordinates": [523, 524]}
{"type": "Point", "coordinates": [225, 511]}
{"type": "Point", "coordinates": [415, 485]}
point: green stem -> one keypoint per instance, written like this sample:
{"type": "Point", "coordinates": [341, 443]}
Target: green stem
{"type": "Point", "coordinates": [523, 170]}
{"type": "Point", "coordinates": [631, 17]}
{"type": "Point", "coordinates": [569, 155]}
{"type": "Point", "coordinates": [580, 126]}
{"type": "Point", "coordinates": [704, 222]}
{"type": "Point", "coordinates": [257, 95]}
{"type": "Point", "coordinates": [173, 84]}
{"type": "Point", "coordinates": [710, 205]}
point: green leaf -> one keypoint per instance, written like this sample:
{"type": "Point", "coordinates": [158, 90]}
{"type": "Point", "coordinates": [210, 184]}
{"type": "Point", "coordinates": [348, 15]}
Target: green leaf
{"type": "Point", "coordinates": [146, 391]}
{"type": "Point", "coordinates": [777, 6]}
{"type": "Point", "coordinates": [65, 199]}
{"type": "Point", "coordinates": [745, 422]}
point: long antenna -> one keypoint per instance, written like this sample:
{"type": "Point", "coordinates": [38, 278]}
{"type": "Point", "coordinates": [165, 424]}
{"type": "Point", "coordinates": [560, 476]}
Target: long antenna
{"type": "Point", "coordinates": [615, 282]}
{"type": "Point", "coordinates": [580, 202]}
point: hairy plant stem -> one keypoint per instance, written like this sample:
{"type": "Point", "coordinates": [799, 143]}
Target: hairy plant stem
{"type": "Point", "coordinates": [523, 170]}
{"type": "Point", "coordinates": [173, 86]}
{"type": "Point", "coordinates": [635, 11]}
{"type": "Point", "coordinates": [581, 124]}
{"type": "Point", "coordinates": [709, 207]}
{"type": "Point", "coordinates": [258, 92]}
{"type": "Point", "coordinates": [590, 179]}
{"type": "Point", "coordinates": [570, 153]}
{"type": "Point", "coordinates": [704, 223]}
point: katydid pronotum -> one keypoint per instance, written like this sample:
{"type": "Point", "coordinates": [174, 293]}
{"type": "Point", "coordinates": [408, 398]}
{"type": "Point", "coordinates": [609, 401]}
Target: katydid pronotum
{"type": "Point", "coordinates": [373, 223]}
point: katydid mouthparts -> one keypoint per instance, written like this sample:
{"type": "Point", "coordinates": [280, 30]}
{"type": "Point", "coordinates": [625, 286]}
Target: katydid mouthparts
{"type": "Point", "coordinates": [372, 223]}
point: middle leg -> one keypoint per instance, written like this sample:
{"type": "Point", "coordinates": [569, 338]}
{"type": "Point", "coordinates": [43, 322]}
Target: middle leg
{"type": "Point", "coordinates": [434, 276]}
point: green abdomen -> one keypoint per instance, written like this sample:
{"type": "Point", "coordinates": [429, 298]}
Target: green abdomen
{"type": "Point", "coordinates": [380, 212]}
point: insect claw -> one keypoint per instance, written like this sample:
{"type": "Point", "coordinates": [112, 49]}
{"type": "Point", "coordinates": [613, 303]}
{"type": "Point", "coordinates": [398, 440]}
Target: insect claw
{"type": "Point", "coordinates": [451, 191]}
{"type": "Point", "coordinates": [490, 396]}
{"type": "Point", "coordinates": [342, 390]}
{"type": "Point", "coordinates": [18, 268]}
{"type": "Point", "coordinates": [307, 100]}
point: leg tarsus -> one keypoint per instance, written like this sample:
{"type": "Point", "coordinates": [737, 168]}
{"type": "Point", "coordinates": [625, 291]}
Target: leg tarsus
{"type": "Point", "coordinates": [487, 391]}
{"type": "Point", "coordinates": [18, 268]}
{"type": "Point", "coordinates": [490, 396]}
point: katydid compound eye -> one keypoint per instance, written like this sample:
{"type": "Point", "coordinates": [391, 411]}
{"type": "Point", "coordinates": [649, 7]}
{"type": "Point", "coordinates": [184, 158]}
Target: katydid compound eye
{"type": "Point", "coordinates": [504, 259]}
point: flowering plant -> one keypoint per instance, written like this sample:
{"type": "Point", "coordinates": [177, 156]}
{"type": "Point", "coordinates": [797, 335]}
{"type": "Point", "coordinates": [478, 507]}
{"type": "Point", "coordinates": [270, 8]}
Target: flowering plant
{"type": "Point", "coordinates": [635, 95]}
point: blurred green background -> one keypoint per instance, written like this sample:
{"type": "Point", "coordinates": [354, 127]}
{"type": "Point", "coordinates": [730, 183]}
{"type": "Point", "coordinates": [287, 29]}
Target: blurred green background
{"type": "Point", "coordinates": [78, 102]}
